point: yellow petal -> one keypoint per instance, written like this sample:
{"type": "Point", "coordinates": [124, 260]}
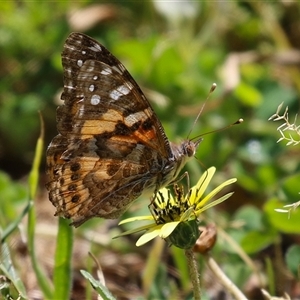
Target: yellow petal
{"type": "Point", "coordinates": [137, 218]}
{"type": "Point", "coordinates": [214, 192]}
{"type": "Point", "coordinates": [134, 230]}
{"type": "Point", "coordinates": [214, 203]}
{"type": "Point", "coordinates": [167, 229]}
{"type": "Point", "coordinates": [200, 187]}
{"type": "Point", "coordinates": [149, 235]}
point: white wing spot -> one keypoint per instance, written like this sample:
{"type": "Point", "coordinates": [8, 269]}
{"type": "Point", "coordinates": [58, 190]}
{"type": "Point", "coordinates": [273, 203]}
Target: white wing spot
{"type": "Point", "coordinates": [95, 77]}
{"type": "Point", "coordinates": [119, 91]}
{"type": "Point", "coordinates": [95, 99]}
{"type": "Point", "coordinates": [115, 94]}
{"type": "Point", "coordinates": [106, 71]}
{"type": "Point", "coordinates": [96, 48]}
{"type": "Point", "coordinates": [91, 88]}
{"type": "Point", "coordinates": [79, 62]}
{"type": "Point", "coordinates": [123, 89]}
{"type": "Point", "coordinates": [83, 52]}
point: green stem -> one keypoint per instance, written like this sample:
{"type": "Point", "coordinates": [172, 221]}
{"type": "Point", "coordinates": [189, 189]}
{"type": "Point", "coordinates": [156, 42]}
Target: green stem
{"type": "Point", "coordinates": [194, 273]}
{"type": "Point", "coordinates": [62, 274]}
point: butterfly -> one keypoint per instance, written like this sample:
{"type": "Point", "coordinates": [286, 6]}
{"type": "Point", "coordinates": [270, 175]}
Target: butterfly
{"type": "Point", "coordinates": [111, 147]}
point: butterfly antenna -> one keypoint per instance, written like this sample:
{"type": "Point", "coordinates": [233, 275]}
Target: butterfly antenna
{"type": "Point", "coordinates": [239, 121]}
{"type": "Point", "coordinates": [213, 87]}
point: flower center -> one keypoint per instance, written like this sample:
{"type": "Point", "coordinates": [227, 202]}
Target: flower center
{"type": "Point", "coordinates": [168, 209]}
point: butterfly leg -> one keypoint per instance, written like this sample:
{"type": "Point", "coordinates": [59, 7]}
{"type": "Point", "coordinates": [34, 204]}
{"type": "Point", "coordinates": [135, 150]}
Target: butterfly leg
{"type": "Point", "coordinates": [185, 174]}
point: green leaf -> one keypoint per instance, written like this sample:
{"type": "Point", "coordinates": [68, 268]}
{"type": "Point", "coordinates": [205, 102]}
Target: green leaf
{"type": "Point", "coordinates": [255, 241]}
{"type": "Point", "coordinates": [292, 258]}
{"type": "Point", "coordinates": [98, 286]}
{"type": "Point", "coordinates": [10, 272]}
{"type": "Point", "coordinates": [291, 187]}
{"type": "Point", "coordinates": [16, 222]}
{"type": "Point", "coordinates": [251, 216]}
{"type": "Point", "coordinates": [248, 94]}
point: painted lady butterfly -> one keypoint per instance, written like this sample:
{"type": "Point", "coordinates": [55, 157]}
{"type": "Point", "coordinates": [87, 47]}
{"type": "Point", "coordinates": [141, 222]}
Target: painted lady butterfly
{"type": "Point", "coordinates": [111, 147]}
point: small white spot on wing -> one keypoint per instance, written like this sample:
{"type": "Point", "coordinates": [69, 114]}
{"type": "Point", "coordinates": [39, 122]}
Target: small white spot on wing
{"type": "Point", "coordinates": [123, 89]}
{"type": "Point", "coordinates": [119, 91]}
{"type": "Point", "coordinates": [91, 88]}
{"type": "Point", "coordinates": [106, 71]}
{"type": "Point", "coordinates": [95, 99]}
{"type": "Point", "coordinates": [115, 94]}
{"type": "Point", "coordinates": [96, 48]}
{"type": "Point", "coordinates": [95, 77]}
{"type": "Point", "coordinates": [79, 62]}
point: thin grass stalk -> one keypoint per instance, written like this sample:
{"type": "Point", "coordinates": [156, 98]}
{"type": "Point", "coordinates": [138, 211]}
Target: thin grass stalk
{"type": "Point", "coordinates": [42, 279]}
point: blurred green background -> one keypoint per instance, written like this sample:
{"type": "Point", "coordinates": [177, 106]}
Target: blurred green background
{"type": "Point", "coordinates": [175, 51]}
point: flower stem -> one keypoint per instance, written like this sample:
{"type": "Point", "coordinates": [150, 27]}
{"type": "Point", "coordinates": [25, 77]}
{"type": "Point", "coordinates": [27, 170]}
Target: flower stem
{"type": "Point", "coordinates": [194, 273]}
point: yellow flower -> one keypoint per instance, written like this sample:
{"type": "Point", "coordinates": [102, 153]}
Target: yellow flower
{"type": "Point", "coordinates": [175, 218]}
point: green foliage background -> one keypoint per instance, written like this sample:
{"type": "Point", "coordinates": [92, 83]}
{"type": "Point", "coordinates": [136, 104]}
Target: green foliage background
{"type": "Point", "coordinates": [249, 48]}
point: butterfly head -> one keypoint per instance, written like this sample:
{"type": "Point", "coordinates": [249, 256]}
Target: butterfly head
{"type": "Point", "coordinates": [184, 152]}
{"type": "Point", "coordinates": [189, 147]}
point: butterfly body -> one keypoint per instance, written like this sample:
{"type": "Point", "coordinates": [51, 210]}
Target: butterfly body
{"type": "Point", "coordinates": [111, 147]}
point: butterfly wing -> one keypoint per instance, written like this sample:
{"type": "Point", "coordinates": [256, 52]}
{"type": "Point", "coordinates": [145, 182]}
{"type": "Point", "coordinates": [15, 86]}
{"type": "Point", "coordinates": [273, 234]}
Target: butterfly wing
{"type": "Point", "coordinates": [111, 144]}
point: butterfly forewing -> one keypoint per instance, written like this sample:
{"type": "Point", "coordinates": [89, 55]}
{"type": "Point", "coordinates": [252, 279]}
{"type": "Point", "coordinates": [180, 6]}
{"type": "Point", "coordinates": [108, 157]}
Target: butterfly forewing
{"type": "Point", "coordinates": [111, 147]}
{"type": "Point", "coordinates": [98, 87]}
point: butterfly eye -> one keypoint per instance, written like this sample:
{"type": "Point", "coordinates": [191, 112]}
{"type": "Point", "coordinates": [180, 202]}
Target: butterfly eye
{"type": "Point", "coordinates": [189, 148]}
